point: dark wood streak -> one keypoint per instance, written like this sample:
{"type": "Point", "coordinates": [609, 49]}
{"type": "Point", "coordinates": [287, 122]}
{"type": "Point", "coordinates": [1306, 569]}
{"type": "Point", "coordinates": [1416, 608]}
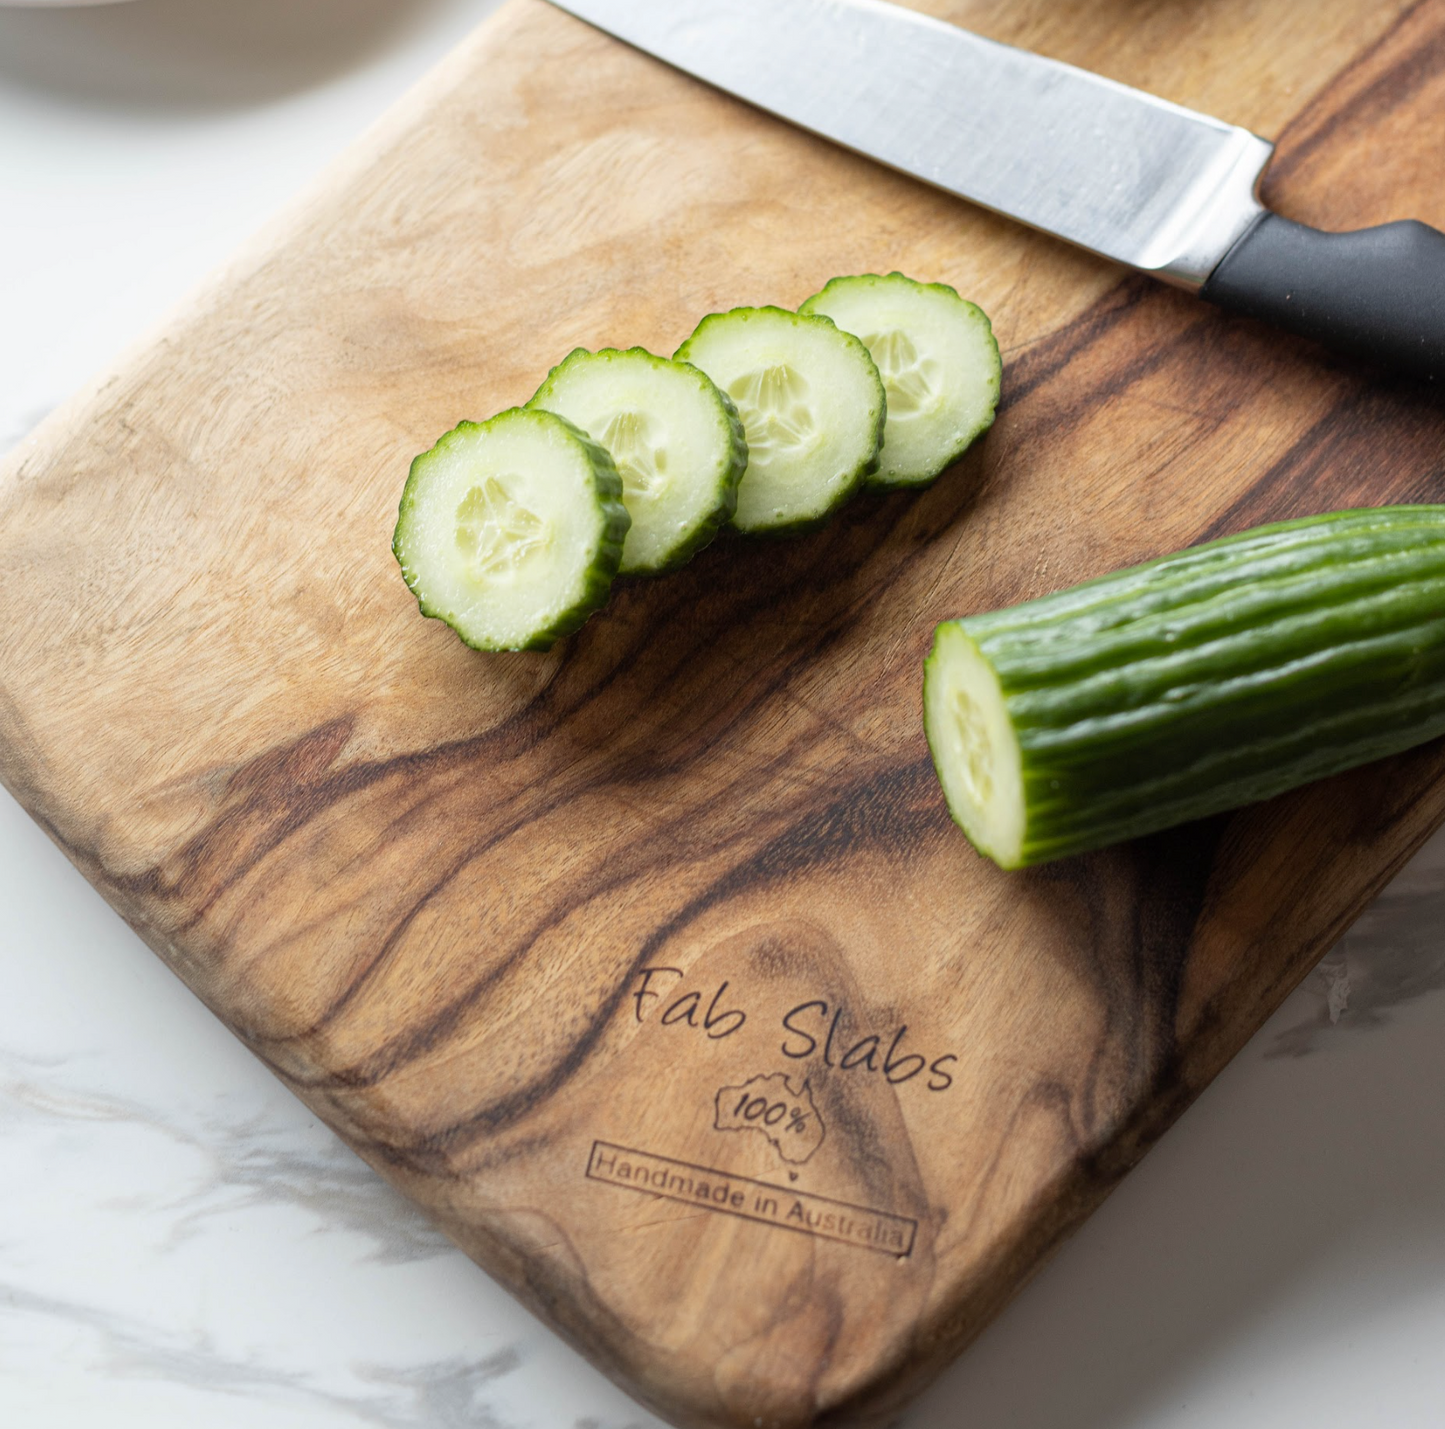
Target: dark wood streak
{"type": "Point", "coordinates": [1392, 75]}
{"type": "Point", "coordinates": [859, 816]}
{"type": "Point", "coordinates": [1336, 464]}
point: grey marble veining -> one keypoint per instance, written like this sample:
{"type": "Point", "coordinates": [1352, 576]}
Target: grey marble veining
{"type": "Point", "coordinates": [1394, 955]}
{"type": "Point", "coordinates": [252, 1158]}
{"type": "Point", "coordinates": [445, 1394]}
{"type": "Point", "coordinates": [224, 1164]}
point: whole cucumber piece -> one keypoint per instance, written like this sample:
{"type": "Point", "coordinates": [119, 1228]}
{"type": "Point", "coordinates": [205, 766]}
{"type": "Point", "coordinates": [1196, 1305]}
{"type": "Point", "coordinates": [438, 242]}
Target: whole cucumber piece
{"type": "Point", "coordinates": [1207, 679]}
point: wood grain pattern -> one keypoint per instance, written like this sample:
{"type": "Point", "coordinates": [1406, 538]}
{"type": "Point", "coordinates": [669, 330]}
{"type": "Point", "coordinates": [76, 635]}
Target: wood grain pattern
{"type": "Point", "coordinates": [528, 930]}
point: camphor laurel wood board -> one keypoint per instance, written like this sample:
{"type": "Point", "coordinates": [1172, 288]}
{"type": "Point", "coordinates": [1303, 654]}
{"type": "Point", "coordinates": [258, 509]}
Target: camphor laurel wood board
{"type": "Point", "coordinates": [536, 933]}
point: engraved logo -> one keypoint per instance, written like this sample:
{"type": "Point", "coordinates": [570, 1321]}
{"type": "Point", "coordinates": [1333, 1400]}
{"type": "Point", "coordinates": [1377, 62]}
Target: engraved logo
{"type": "Point", "coordinates": [768, 1104]}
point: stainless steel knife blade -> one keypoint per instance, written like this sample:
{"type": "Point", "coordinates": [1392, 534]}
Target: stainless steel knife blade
{"type": "Point", "coordinates": [1112, 169]}
{"type": "Point", "coordinates": [1123, 173]}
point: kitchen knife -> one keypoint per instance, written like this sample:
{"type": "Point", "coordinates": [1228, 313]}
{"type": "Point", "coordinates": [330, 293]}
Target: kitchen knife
{"type": "Point", "coordinates": [1129, 176]}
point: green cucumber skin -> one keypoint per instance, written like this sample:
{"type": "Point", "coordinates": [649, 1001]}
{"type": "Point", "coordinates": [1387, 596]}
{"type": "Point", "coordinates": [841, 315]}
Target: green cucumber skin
{"type": "Point", "coordinates": [1222, 675]}
{"type": "Point", "coordinates": [705, 532]}
{"type": "Point", "coordinates": [595, 593]}
{"type": "Point", "coordinates": [866, 468]}
{"type": "Point", "coordinates": [874, 481]}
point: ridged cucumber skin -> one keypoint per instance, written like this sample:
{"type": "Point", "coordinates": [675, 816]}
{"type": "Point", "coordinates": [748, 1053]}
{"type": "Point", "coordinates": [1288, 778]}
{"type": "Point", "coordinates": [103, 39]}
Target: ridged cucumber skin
{"type": "Point", "coordinates": [600, 574]}
{"type": "Point", "coordinates": [1220, 675]}
{"type": "Point", "coordinates": [735, 465]}
{"type": "Point", "coordinates": [877, 480]}
{"type": "Point", "coordinates": [866, 467]}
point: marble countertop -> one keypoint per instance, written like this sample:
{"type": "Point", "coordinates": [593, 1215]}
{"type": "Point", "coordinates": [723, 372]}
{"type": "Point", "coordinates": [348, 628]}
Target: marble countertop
{"type": "Point", "coordinates": [183, 1244]}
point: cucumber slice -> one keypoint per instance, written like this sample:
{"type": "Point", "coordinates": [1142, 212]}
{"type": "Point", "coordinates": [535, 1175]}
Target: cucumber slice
{"type": "Point", "coordinates": [511, 530]}
{"type": "Point", "coordinates": [939, 363]}
{"type": "Point", "coordinates": [1208, 679]}
{"type": "Point", "coordinates": [812, 405]}
{"type": "Point", "coordinates": [677, 442]}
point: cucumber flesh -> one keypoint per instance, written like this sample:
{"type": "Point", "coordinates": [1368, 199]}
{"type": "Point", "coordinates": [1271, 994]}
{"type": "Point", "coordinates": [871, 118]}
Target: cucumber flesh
{"type": "Point", "coordinates": [511, 530]}
{"type": "Point", "coordinates": [1208, 679]}
{"type": "Point", "coordinates": [939, 362]}
{"type": "Point", "coordinates": [676, 440]}
{"type": "Point", "coordinates": [812, 405]}
{"type": "Point", "coordinates": [975, 750]}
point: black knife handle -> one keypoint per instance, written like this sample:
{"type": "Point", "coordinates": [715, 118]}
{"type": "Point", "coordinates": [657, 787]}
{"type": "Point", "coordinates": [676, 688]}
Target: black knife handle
{"type": "Point", "coordinates": [1378, 293]}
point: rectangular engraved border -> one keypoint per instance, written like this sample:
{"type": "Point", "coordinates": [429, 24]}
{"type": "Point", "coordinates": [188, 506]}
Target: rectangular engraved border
{"type": "Point", "coordinates": [773, 1192]}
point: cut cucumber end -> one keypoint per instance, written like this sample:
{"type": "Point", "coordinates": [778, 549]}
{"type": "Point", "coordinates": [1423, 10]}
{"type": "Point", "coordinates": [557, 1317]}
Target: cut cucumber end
{"type": "Point", "coordinates": [676, 440]}
{"type": "Point", "coordinates": [1199, 682]}
{"type": "Point", "coordinates": [939, 363]}
{"type": "Point", "coordinates": [974, 747]}
{"type": "Point", "coordinates": [812, 406]}
{"type": "Point", "coordinates": [510, 531]}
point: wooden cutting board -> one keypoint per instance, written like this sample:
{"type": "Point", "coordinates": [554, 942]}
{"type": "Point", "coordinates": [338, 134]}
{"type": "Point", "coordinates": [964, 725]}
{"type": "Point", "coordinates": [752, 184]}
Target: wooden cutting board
{"type": "Point", "coordinates": [652, 967]}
